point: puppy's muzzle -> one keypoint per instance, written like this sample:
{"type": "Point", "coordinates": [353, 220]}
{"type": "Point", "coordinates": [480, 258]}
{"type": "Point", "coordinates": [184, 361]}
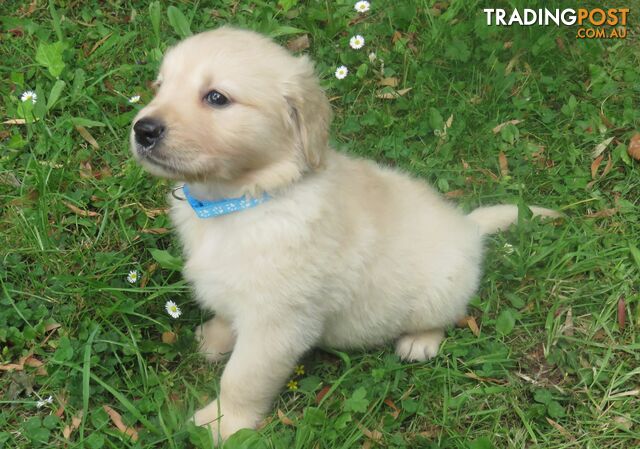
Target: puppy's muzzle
{"type": "Point", "coordinates": [148, 132]}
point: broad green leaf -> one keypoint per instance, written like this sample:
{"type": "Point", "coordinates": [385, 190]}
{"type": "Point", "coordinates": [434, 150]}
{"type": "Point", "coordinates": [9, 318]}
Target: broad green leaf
{"type": "Point", "coordinates": [166, 259]}
{"type": "Point", "coordinates": [286, 5]}
{"type": "Point", "coordinates": [542, 396]}
{"type": "Point", "coordinates": [481, 443]}
{"type": "Point", "coordinates": [457, 50]}
{"type": "Point", "coordinates": [178, 22]}
{"type": "Point", "coordinates": [245, 439]}
{"type": "Point", "coordinates": [314, 416]}
{"type": "Point", "coordinates": [80, 121]}
{"type": "Point", "coordinates": [50, 56]}
{"type": "Point", "coordinates": [155, 11]}
{"type": "Point", "coordinates": [284, 31]}
{"type": "Point", "coordinates": [635, 253]}
{"type": "Point", "coordinates": [555, 410]}
{"type": "Point", "coordinates": [64, 351]}
{"type": "Point", "coordinates": [55, 93]}
{"type": "Point", "coordinates": [435, 119]}
{"type": "Point", "coordinates": [506, 322]}
{"type": "Point", "coordinates": [79, 78]}
{"type": "Point", "coordinates": [357, 402]}
{"type": "Point", "coordinates": [95, 441]}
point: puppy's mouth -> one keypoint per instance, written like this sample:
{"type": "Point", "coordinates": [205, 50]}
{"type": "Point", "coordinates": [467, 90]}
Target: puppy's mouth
{"type": "Point", "coordinates": [154, 157]}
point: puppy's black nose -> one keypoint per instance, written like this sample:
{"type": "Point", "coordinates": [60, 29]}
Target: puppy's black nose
{"type": "Point", "coordinates": [148, 131]}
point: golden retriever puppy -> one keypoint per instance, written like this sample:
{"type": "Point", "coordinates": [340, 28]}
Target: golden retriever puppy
{"type": "Point", "coordinates": [290, 243]}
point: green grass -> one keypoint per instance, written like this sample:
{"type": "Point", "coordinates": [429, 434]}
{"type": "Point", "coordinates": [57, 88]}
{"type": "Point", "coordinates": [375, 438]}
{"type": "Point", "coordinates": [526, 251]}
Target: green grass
{"type": "Point", "coordinates": [551, 367]}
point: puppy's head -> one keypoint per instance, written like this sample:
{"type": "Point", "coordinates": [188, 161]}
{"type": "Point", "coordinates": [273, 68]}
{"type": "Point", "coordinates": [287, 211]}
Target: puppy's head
{"type": "Point", "coordinates": [233, 107]}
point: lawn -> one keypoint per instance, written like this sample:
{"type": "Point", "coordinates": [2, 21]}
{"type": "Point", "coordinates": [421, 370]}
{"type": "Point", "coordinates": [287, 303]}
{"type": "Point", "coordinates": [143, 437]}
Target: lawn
{"type": "Point", "coordinates": [549, 356]}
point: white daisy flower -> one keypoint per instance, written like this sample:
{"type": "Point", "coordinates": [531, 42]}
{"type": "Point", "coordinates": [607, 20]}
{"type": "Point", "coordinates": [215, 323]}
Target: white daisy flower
{"type": "Point", "coordinates": [173, 309]}
{"type": "Point", "coordinates": [341, 72]}
{"type": "Point", "coordinates": [42, 402]}
{"type": "Point", "coordinates": [134, 99]}
{"type": "Point", "coordinates": [132, 277]}
{"type": "Point", "coordinates": [29, 96]}
{"type": "Point", "coordinates": [356, 42]}
{"type": "Point", "coordinates": [362, 6]}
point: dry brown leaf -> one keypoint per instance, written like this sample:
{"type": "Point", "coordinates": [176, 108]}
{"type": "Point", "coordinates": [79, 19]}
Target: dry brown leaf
{"type": "Point", "coordinates": [396, 36]}
{"type": "Point", "coordinates": [14, 121]}
{"type": "Point", "coordinates": [634, 147]}
{"type": "Point", "coordinates": [474, 376]}
{"type": "Point", "coordinates": [507, 45]}
{"type": "Point", "coordinates": [390, 95]}
{"type": "Point", "coordinates": [147, 274]}
{"type": "Point", "coordinates": [607, 167]}
{"type": "Point", "coordinates": [623, 422]}
{"type": "Point", "coordinates": [19, 366]}
{"type": "Point", "coordinates": [264, 423]}
{"type": "Point", "coordinates": [86, 171]}
{"type": "Point", "coordinates": [504, 165]}
{"type": "Point", "coordinates": [561, 429]}
{"type": "Point", "coordinates": [322, 393]}
{"type": "Point", "coordinates": [603, 213]}
{"type": "Point", "coordinates": [9, 179]}
{"type": "Point", "coordinates": [454, 193]}
{"type": "Point", "coordinates": [511, 64]}
{"type": "Point", "coordinates": [155, 231]}
{"type": "Point", "coordinates": [153, 213]}
{"type": "Point", "coordinates": [390, 81]}
{"type": "Point", "coordinates": [62, 400]}
{"type": "Point", "coordinates": [560, 43]}
{"type": "Point", "coordinates": [622, 313]}
{"type": "Point", "coordinates": [52, 327]}
{"type": "Point", "coordinates": [12, 367]}
{"type": "Point", "coordinates": [498, 128]}
{"type": "Point", "coordinates": [86, 135]}
{"type": "Point", "coordinates": [116, 419]}
{"type": "Point", "coordinates": [470, 322]}
{"type": "Point", "coordinates": [99, 43]}
{"type": "Point", "coordinates": [168, 337]}
{"type": "Point", "coordinates": [396, 411]}
{"type": "Point", "coordinates": [465, 164]}
{"type": "Point", "coordinates": [299, 43]}
{"type": "Point", "coordinates": [83, 213]}
{"type": "Point", "coordinates": [625, 394]}
{"type": "Point", "coordinates": [567, 329]}
{"type": "Point", "coordinates": [366, 444]}
{"type": "Point", "coordinates": [75, 423]}
{"type": "Point", "coordinates": [449, 122]}
{"type": "Point", "coordinates": [373, 435]}
{"type": "Point", "coordinates": [599, 149]}
{"type": "Point", "coordinates": [606, 121]}
{"type": "Point", "coordinates": [595, 164]}
{"type": "Point", "coordinates": [35, 363]}
{"type": "Point", "coordinates": [284, 419]}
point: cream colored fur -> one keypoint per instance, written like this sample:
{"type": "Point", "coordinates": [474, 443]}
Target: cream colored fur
{"type": "Point", "coordinates": [346, 254]}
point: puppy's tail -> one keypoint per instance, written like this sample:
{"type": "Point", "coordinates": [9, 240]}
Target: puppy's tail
{"type": "Point", "coordinates": [492, 219]}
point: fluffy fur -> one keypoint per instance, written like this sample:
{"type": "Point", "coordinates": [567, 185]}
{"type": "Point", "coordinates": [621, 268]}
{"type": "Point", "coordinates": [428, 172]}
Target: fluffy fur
{"type": "Point", "coordinates": [346, 254]}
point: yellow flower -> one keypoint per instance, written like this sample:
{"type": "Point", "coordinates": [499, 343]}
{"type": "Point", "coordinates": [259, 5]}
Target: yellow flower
{"type": "Point", "coordinates": [292, 385]}
{"type": "Point", "coordinates": [299, 370]}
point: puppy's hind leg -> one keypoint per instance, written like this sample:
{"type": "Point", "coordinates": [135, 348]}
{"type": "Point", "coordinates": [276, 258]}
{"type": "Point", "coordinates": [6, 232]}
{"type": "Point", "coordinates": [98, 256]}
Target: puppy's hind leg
{"type": "Point", "coordinates": [215, 338]}
{"type": "Point", "coordinates": [419, 346]}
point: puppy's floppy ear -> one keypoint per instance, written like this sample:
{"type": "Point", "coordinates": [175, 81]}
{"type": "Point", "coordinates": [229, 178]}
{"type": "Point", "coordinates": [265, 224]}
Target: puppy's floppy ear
{"type": "Point", "coordinates": [309, 113]}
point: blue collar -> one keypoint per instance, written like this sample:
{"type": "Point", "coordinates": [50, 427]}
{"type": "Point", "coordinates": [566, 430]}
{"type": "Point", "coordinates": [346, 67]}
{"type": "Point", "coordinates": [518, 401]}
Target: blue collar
{"type": "Point", "coordinates": [208, 209]}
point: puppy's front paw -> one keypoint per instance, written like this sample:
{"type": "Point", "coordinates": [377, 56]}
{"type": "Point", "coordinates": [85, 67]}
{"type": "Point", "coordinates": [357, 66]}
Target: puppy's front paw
{"type": "Point", "coordinates": [421, 346]}
{"type": "Point", "coordinates": [223, 422]}
{"type": "Point", "coordinates": [216, 339]}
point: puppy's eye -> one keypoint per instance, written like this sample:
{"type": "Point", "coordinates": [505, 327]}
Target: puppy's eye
{"type": "Point", "coordinates": [215, 98]}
